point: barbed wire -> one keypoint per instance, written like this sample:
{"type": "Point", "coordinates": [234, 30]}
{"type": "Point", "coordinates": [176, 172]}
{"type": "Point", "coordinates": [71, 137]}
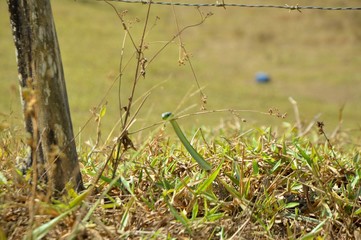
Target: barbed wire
{"type": "Point", "coordinates": [222, 4]}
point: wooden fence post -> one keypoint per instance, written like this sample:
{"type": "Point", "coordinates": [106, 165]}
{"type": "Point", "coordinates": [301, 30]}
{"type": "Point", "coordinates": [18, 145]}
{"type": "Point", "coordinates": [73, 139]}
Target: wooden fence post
{"type": "Point", "coordinates": [43, 92]}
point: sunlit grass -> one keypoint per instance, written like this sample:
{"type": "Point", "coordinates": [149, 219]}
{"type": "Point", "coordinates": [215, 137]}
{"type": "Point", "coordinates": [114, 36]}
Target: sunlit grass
{"type": "Point", "coordinates": [263, 182]}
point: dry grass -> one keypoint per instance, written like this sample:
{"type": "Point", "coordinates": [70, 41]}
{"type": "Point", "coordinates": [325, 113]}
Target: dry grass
{"type": "Point", "coordinates": [264, 185]}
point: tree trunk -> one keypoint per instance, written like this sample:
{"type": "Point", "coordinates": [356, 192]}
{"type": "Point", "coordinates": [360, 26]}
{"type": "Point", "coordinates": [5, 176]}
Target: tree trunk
{"type": "Point", "coordinates": [43, 93]}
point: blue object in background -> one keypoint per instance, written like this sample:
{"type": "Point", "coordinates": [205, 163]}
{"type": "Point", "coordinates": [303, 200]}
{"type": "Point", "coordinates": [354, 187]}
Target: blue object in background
{"type": "Point", "coordinates": [262, 77]}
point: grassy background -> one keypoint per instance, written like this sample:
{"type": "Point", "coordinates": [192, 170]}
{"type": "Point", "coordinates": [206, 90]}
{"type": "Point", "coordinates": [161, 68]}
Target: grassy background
{"type": "Point", "coordinates": [313, 57]}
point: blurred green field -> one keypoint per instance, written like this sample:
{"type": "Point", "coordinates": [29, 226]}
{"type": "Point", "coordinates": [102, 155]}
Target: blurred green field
{"type": "Point", "coordinates": [313, 56]}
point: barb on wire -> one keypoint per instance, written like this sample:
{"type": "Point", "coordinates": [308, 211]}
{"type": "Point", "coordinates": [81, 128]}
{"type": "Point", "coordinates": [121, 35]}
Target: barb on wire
{"type": "Point", "coordinates": [222, 4]}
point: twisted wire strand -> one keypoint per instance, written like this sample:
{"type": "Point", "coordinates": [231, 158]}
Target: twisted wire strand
{"type": "Point", "coordinates": [221, 4]}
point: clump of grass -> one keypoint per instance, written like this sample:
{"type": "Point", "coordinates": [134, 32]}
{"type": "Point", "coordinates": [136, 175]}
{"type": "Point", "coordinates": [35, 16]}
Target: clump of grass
{"type": "Point", "coordinates": [262, 184]}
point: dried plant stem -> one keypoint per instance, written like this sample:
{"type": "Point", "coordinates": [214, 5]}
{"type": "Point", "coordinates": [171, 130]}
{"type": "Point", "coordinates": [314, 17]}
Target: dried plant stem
{"type": "Point", "coordinates": [297, 115]}
{"type": "Point", "coordinates": [140, 59]}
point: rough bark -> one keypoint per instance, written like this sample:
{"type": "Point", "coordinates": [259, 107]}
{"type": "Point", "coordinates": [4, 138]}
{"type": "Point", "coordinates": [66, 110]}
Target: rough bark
{"type": "Point", "coordinates": [43, 93]}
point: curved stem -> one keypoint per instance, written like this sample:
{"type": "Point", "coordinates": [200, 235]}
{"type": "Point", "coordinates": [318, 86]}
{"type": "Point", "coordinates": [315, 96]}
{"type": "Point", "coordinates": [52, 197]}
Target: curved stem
{"type": "Point", "coordinates": [195, 155]}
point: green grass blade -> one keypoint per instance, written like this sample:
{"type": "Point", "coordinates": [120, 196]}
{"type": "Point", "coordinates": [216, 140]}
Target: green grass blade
{"type": "Point", "coordinates": [234, 180]}
{"type": "Point", "coordinates": [196, 156]}
{"type": "Point", "coordinates": [234, 193]}
{"type": "Point", "coordinates": [304, 155]}
{"type": "Point", "coordinates": [255, 167]}
{"type": "Point", "coordinates": [195, 210]}
{"type": "Point", "coordinates": [292, 205]}
{"type": "Point", "coordinates": [178, 216]}
{"type": "Point", "coordinates": [231, 190]}
{"type": "Point", "coordinates": [358, 211]}
{"type": "Point", "coordinates": [125, 218]}
{"type": "Point", "coordinates": [79, 199]}
{"type": "Point", "coordinates": [315, 231]}
{"type": "Point", "coordinates": [42, 230]}
{"type": "Point", "coordinates": [214, 216]}
{"type": "Point", "coordinates": [208, 182]}
{"type": "Point", "coordinates": [237, 172]}
{"type": "Point", "coordinates": [276, 166]}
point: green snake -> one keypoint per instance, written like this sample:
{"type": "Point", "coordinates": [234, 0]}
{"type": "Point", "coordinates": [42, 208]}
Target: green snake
{"type": "Point", "coordinates": [195, 155]}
